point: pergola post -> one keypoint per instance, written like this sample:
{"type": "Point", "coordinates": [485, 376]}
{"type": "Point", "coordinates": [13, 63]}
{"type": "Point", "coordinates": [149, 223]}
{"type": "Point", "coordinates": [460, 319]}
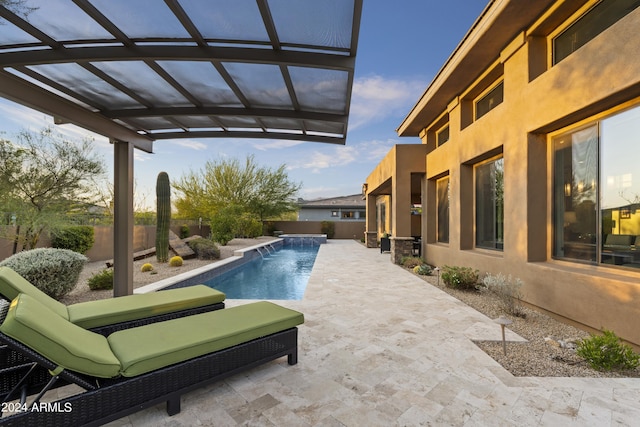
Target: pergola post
{"type": "Point", "coordinates": [123, 219]}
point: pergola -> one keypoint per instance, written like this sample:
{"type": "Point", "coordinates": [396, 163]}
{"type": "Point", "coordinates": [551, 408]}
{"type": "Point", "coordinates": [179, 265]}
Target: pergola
{"type": "Point", "coordinates": [137, 71]}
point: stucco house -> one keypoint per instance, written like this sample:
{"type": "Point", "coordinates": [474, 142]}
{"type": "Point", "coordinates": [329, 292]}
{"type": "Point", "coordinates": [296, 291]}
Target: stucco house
{"type": "Point", "coordinates": [345, 208]}
{"type": "Point", "coordinates": [529, 159]}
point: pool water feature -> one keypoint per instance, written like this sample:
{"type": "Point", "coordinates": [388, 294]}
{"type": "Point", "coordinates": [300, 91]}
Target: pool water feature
{"type": "Point", "coordinates": [274, 275]}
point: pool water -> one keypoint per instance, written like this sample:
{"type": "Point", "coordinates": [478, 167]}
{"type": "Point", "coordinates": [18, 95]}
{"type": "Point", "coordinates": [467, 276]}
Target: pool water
{"type": "Point", "coordinates": [282, 275]}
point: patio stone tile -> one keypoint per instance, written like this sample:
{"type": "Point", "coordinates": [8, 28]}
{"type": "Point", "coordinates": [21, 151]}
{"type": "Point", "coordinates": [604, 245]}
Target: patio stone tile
{"type": "Point", "coordinates": [379, 347]}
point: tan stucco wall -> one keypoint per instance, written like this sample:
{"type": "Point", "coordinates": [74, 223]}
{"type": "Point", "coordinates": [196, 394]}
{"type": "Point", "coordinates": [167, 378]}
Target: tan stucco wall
{"type": "Point", "coordinates": [343, 229]}
{"type": "Point", "coordinates": [599, 78]}
{"type": "Point", "coordinates": [392, 177]}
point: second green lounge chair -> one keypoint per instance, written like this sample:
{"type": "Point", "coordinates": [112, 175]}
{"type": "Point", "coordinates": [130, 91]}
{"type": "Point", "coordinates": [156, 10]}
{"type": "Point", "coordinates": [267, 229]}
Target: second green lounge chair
{"type": "Point", "coordinates": [112, 314]}
{"type": "Point", "coordinates": [102, 316]}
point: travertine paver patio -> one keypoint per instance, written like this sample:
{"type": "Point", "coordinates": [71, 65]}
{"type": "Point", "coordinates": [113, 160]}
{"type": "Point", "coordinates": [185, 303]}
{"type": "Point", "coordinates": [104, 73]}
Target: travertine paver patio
{"type": "Point", "coordinates": [380, 347]}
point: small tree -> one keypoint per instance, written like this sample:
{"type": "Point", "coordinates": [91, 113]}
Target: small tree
{"type": "Point", "coordinates": [43, 177]}
{"type": "Point", "coordinates": [261, 191]}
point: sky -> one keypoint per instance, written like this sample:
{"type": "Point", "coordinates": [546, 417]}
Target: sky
{"type": "Point", "coordinates": [402, 46]}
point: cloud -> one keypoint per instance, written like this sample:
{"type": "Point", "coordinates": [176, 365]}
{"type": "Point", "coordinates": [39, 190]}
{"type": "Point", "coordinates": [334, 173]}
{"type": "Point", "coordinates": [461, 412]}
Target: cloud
{"type": "Point", "coordinates": [375, 98]}
{"type": "Point", "coordinates": [265, 145]}
{"type": "Point", "coordinates": [340, 156]}
{"type": "Point", "coordinates": [140, 156]}
{"type": "Point", "coordinates": [189, 143]}
{"type": "Point", "coordinates": [23, 117]}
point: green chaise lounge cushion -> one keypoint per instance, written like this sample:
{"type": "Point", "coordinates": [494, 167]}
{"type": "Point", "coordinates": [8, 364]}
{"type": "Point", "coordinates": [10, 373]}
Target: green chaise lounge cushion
{"type": "Point", "coordinates": [92, 314]}
{"type": "Point", "coordinates": [12, 284]}
{"type": "Point", "coordinates": [154, 346]}
{"type": "Point", "coordinates": [69, 346]}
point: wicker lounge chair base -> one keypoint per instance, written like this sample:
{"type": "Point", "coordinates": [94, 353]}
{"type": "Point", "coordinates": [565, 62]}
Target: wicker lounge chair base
{"type": "Point", "coordinates": [14, 366]}
{"type": "Point", "coordinates": [110, 400]}
{"type": "Point", "coordinates": [140, 367]}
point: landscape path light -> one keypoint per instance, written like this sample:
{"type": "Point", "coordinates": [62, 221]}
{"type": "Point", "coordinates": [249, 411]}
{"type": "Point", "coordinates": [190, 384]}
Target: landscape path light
{"type": "Point", "coordinates": [503, 321]}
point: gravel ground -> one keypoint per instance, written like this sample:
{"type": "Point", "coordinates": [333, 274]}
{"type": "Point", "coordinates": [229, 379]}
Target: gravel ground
{"type": "Point", "coordinates": [550, 350]}
{"type": "Point", "coordinates": [544, 355]}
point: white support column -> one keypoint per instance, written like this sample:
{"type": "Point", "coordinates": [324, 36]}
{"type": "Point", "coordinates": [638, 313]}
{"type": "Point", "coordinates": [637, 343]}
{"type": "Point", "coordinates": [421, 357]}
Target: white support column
{"type": "Point", "coordinates": [123, 219]}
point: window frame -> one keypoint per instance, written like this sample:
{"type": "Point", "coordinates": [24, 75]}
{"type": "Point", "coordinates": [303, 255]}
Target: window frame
{"type": "Point", "coordinates": [438, 214]}
{"type": "Point", "coordinates": [498, 245]}
{"type": "Point", "coordinates": [557, 231]}
{"type": "Point", "coordinates": [440, 132]}
{"type": "Point", "coordinates": [573, 20]}
{"type": "Point", "coordinates": [484, 95]}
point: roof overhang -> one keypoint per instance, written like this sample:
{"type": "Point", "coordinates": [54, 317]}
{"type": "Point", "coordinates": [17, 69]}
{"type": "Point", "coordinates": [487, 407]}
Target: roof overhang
{"type": "Point", "coordinates": [250, 69]}
{"type": "Point", "coordinates": [494, 29]}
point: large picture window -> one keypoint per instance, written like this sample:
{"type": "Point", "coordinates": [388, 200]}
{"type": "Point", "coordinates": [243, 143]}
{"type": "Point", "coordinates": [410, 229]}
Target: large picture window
{"type": "Point", "coordinates": [597, 192]}
{"type": "Point", "coordinates": [575, 194]}
{"type": "Point", "coordinates": [490, 204]}
{"type": "Point", "coordinates": [442, 187]}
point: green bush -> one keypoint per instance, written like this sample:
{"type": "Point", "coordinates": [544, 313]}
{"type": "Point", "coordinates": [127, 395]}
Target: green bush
{"type": "Point", "coordinates": [247, 226]}
{"type": "Point", "coordinates": [411, 261]}
{"type": "Point", "coordinates": [460, 277]}
{"type": "Point", "coordinates": [607, 352]}
{"type": "Point", "coordinates": [223, 224]}
{"type": "Point", "coordinates": [328, 228]}
{"type": "Point", "coordinates": [507, 290]}
{"type": "Point", "coordinates": [54, 271]}
{"type": "Point", "coordinates": [184, 231]}
{"type": "Point", "coordinates": [205, 248]}
{"type": "Point", "coordinates": [423, 270]}
{"type": "Point", "coordinates": [102, 280]}
{"type": "Point", "coordinates": [79, 238]}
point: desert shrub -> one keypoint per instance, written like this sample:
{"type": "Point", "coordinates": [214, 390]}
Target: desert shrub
{"type": "Point", "coordinates": [146, 267]}
{"type": "Point", "coordinates": [101, 280]}
{"type": "Point", "coordinates": [247, 226]}
{"type": "Point", "coordinates": [460, 277]}
{"type": "Point", "coordinates": [507, 290]}
{"type": "Point", "coordinates": [205, 248]}
{"type": "Point", "coordinates": [607, 352]}
{"type": "Point", "coordinates": [184, 231]}
{"type": "Point", "coordinates": [79, 238]}
{"type": "Point", "coordinates": [223, 224]}
{"type": "Point", "coordinates": [176, 261]}
{"type": "Point", "coordinates": [54, 271]}
{"type": "Point", "coordinates": [423, 270]}
{"type": "Point", "coordinates": [411, 261]}
{"type": "Point", "coordinates": [328, 228]}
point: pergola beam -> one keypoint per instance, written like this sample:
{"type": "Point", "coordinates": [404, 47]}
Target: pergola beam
{"type": "Point", "coordinates": [250, 135]}
{"type": "Point", "coordinates": [178, 53]}
{"type": "Point", "coordinates": [28, 94]}
{"type": "Point", "coordinates": [224, 111]}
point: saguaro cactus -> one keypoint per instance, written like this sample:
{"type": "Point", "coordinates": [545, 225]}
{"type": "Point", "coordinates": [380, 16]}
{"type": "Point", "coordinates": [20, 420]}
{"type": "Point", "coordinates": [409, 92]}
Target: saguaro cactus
{"type": "Point", "coordinates": [163, 216]}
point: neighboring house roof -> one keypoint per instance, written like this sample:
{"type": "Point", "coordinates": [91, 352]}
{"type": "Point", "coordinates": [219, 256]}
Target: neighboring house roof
{"type": "Point", "coordinates": [353, 201]}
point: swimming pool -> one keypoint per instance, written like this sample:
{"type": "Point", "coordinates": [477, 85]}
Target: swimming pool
{"type": "Point", "coordinates": [279, 275]}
